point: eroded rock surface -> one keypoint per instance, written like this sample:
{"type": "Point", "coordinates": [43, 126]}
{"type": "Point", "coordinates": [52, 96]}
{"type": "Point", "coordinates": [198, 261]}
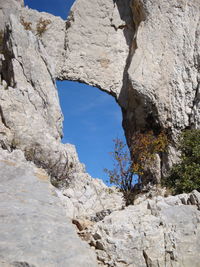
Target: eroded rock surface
{"type": "Point", "coordinates": [33, 226]}
{"type": "Point", "coordinates": [155, 232]}
{"type": "Point", "coordinates": [31, 119]}
{"type": "Point", "coordinates": [98, 39]}
{"type": "Point", "coordinates": [148, 55]}
{"type": "Point", "coordinates": [144, 53]}
{"type": "Point", "coordinates": [86, 197]}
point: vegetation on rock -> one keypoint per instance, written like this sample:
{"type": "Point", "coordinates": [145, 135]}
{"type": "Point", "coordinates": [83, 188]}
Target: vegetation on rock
{"type": "Point", "coordinates": [26, 24]}
{"type": "Point", "coordinates": [185, 175]}
{"type": "Point", "coordinates": [41, 26]}
{"type": "Point", "coordinates": [144, 147]}
{"type": "Point", "coordinates": [123, 172]}
{"type": "Point", "coordinates": [128, 170]}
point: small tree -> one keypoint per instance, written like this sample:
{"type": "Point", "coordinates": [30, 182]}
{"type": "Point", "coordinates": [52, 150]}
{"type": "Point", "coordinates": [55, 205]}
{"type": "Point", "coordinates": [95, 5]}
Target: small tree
{"type": "Point", "coordinates": [129, 169]}
{"type": "Point", "coordinates": [185, 175]}
{"type": "Point", "coordinates": [123, 174]}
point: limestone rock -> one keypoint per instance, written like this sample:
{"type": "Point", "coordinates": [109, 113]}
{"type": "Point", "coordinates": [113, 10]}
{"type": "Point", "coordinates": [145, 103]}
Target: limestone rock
{"type": "Point", "coordinates": [98, 38]}
{"type": "Point", "coordinates": [153, 74]}
{"type": "Point", "coordinates": [7, 8]}
{"type": "Point", "coordinates": [90, 198]}
{"type": "Point", "coordinates": [30, 111]}
{"type": "Point", "coordinates": [86, 197]}
{"type": "Point", "coordinates": [30, 114]}
{"type": "Point", "coordinates": [156, 85]}
{"type": "Point", "coordinates": [52, 37]}
{"type": "Point", "coordinates": [148, 55]}
{"type": "Point", "coordinates": [156, 232]}
{"type": "Point", "coordinates": [34, 121]}
{"type": "Point", "coordinates": [33, 228]}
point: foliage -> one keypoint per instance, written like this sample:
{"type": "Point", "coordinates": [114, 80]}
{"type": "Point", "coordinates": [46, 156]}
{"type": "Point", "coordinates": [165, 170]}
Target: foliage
{"type": "Point", "coordinates": [26, 24]}
{"type": "Point", "coordinates": [122, 174]}
{"type": "Point", "coordinates": [41, 26]}
{"type": "Point", "coordinates": [185, 175]}
{"type": "Point", "coordinates": [129, 168]}
{"type": "Point", "coordinates": [144, 147]}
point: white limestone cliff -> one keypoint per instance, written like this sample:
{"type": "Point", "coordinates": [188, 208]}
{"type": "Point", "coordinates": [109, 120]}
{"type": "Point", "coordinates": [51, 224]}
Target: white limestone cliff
{"type": "Point", "coordinates": [148, 55]}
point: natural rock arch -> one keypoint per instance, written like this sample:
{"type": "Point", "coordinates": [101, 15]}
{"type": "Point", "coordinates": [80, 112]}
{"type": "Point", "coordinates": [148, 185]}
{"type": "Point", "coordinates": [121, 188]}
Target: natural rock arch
{"type": "Point", "coordinates": [124, 57]}
{"type": "Point", "coordinates": [92, 120]}
{"type": "Point", "coordinates": [161, 77]}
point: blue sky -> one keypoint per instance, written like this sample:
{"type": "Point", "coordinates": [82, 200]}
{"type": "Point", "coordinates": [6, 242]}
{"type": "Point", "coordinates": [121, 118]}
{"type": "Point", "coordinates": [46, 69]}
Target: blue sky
{"type": "Point", "coordinates": [92, 119]}
{"type": "Point", "coordinates": [56, 7]}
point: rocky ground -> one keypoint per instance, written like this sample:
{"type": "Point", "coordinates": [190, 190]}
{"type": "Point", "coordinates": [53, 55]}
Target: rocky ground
{"type": "Point", "coordinates": [34, 228]}
{"type": "Point", "coordinates": [155, 232]}
{"type": "Point", "coordinates": [39, 230]}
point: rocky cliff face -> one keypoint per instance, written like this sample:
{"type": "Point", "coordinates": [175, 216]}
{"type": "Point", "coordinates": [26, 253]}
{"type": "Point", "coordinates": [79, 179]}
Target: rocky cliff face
{"type": "Point", "coordinates": [148, 55]}
{"type": "Point", "coordinates": [145, 54]}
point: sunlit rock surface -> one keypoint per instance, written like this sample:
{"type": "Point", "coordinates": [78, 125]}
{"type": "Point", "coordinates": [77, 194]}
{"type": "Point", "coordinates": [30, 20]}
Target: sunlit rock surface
{"type": "Point", "coordinates": [33, 225]}
{"type": "Point", "coordinates": [155, 232]}
{"type": "Point", "coordinates": [144, 53]}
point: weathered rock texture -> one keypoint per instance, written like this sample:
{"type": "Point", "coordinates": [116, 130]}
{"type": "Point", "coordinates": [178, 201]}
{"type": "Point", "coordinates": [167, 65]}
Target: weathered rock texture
{"type": "Point", "coordinates": [86, 197]}
{"type": "Point", "coordinates": [30, 112]}
{"type": "Point", "coordinates": [33, 225]}
{"type": "Point", "coordinates": [144, 53]}
{"type": "Point", "coordinates": [155, 232]}
{"type": "Point", "coordinates": [31, 121]}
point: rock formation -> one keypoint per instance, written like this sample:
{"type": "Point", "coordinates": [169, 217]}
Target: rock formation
{"type": "Point", "coordinates": [154, 232]}
{"type": "Point", "coordinates": [148, 55]}
{"type": "Point", "coordinates": [33, 226]}
{"type": "Point", "coordinates": [145, 54]}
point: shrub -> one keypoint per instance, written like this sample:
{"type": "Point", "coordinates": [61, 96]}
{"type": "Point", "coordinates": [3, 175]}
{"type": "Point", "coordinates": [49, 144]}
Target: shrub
{"type": "Point", "coordinates": [185, 175]}
{"type": "Point", "coordinates": [128, 170]}
{"type": "Point", "coordinates": [144, 147]}
{"type": "Point", "coordinates": [41, 26]}
{"type": "Point", "coordinates": [26, 24]}
{"type": "Point", "coordinates": [122, 174]}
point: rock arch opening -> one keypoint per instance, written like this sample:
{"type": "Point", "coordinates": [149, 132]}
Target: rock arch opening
{"type": "Point", "coordinates": [57, 8]}
{"type": "Point", "coordinates": [91, 121]}
{"type": "Point", "coordinates": [91, 118]}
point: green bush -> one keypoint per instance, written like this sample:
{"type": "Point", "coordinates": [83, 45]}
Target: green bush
{"type": "Point", "coordinates": [185, 175]}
